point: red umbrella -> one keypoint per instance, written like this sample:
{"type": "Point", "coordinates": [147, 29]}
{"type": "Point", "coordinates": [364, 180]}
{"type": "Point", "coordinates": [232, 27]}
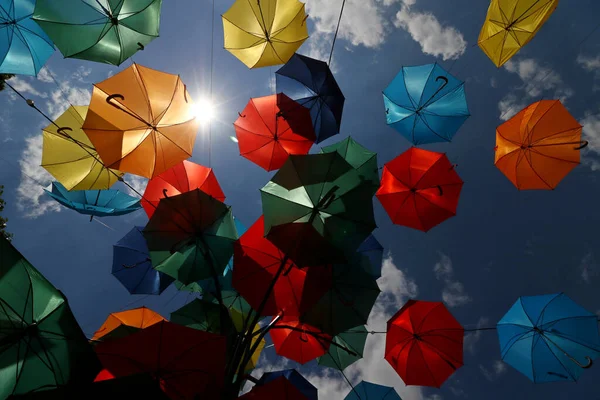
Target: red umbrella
{"type": "Point", "coordinates": [258, 263]}
{"type": "Point", "coordinates": [419, 189]}
{"type": "Point", "coordinates": [298, 341]}
{"type": "Point", "coordinates": [181, 178]}
{"type": "Point", "coordinates": [278, 389]}
{"type": "Point", "coordinates": [424, 343]}
{"type": "Point", "coordinates": [186, 361]}
{"type": "Point", "coordinates": [272, 127]}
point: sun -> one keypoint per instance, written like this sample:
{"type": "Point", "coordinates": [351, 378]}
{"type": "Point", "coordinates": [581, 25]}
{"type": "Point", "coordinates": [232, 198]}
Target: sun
{"type": "Point", "coordinates": [203, 110]}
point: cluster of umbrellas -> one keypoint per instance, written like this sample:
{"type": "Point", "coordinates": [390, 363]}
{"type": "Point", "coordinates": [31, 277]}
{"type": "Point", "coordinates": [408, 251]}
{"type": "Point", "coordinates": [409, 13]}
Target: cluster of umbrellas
{"type": "Point", "coordinates": [305, 273]}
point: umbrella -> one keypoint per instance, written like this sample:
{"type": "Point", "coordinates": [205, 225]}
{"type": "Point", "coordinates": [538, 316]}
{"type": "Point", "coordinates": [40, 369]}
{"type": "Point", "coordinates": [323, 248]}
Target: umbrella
{"type": "Point", "coordinates": [371, 391]}
{"type": "Point", "coordinates": [549, 338]}
{"type": "Point", "coordinates": [338, 357]}
{"type": "Point", "coordinates": [419, 189]}
{"type": "Point", "coordinates": [101, 30]}
{"type": "Point", "coordinates": [269, 281]}
{"type": "Point", "coordinates": [125, 323]}
{"type": "Point", "coordinates": [261, 33]}
{"type": "Point", "coordinates": [141, 121]}
{"type": "Point", "coordinates": [133, 268]}
{"type": "Point", "coordinates": [370, 254]}
{"type": "Point", "coordinates": [424, 343]}
{"type": "Point", "coordinates": [280, 389]}
{"type": "Point", "coordinates": [41, 345]}
{"type": "Point", "coordinates": [181, 178]}
{"type": "Point", "coordinates": [311, 83]}
{"type": "Point", "coordinates": [539, 146]}
{"type": "Point", "coordinates": [70, 157]}
{"type": "Point", "coordinates": [186, 361]}
{"type": "Point", "coordinates": [272, 127]}
{"type": "Point", "coordinates": [510, 25]}
{"type": "Point", "coordinates": [347, 303]}
{"type": "Point", "coordinates": [425, 104]}
{"type": "Point", "coordinates": [316, 207]}
{"type": "Point", "coordinates": [298, 341]}
{"type": "Point", "coordinates": [359, 157]}
{"type": "Point", "coordinates": [24, 47]}
{"type": "Point", "coordinates": [200, 314]}
{"type": "Point", "coordinates": [190, 236]}
{"type": "Point", "coordinates": [293, 377]}
{"type": "Point", "coordinates": [99, 203]}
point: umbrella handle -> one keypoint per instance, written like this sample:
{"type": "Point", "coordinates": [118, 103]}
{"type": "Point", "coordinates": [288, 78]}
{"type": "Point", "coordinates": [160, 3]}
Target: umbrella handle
{"type": "Point", "coordinates": [115, 96]}
{"type": "Point", "coordinates": [303, 337]}
{"type": "Point", "coordinates": [142, 47]}
{"type": "Point", "coordinates": [60, 131]}
{"type": "Point", "coordinates": [441, 190]}
{"type": "Point", "coordinates": [584, 366]}
{"type": "Point", "coordinates": [584, 144]}
{"type": "Point", "coordinates": [241, 116]}
{"type": "Point", "coordinates": [387, 110]}
{"type": "Point", "coordinates": [165, 193]}
{"type": "Point", "coordinates": [304, 20]}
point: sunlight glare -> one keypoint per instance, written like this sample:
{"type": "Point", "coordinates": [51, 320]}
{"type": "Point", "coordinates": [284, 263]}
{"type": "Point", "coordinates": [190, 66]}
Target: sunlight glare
{"type": "Point", "coordinates": [204, 110]}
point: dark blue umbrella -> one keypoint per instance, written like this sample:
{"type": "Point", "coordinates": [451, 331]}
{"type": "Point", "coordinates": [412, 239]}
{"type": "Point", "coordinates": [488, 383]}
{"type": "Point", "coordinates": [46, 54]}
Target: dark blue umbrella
{"type": "Point", "coordinates": [304, 386]}
{"type": "Point", "coordinates": [99, 203]}
{"type": "Point", "coordinates": [133, 268]}
{"type": "Point", "coordinates": [311, 83]}
{"type": "Point", "coordinates": [370, 391]}
{"type": "Point", "coordinates": [549, 338]}
{"type": "Point", "coordinates": [371, 256]}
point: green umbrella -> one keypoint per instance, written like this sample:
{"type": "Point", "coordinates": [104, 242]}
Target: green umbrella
{"type": "Point", "coordinates": [363, 160]}
{"type": "Point", "coordinates": [347, 304]}
{"type": "Point", "coordinates": [190, 236]}
{"type": "Point", "coordinates": [107, 31]}
{"type": "Point", "coordinates": [353, 340]}
{"type": "Point", "coordinates": [317, 207]}
{"type": "Point", "coordinates": [200, 314]}
{"type": "Point", "coordinates": [41, 344]}
{"type": "Point", "coordinates": [206, 286]}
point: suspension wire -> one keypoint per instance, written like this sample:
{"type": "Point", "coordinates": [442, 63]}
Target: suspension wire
{"type": "Point", "coordinates": [336, 31]}
{"type": "Point", "coordinates": [210, 96]}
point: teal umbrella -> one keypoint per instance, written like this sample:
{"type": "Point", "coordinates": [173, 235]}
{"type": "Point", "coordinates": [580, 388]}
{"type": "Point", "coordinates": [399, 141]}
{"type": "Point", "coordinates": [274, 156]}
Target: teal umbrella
{"type": "Point", "coordinates": [346, 349]}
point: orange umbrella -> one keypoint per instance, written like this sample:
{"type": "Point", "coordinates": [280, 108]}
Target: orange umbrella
{"type": "Point", "coordinates": [126, 322]}
{"type": "Point", "coordinates": [141, 121]}
{"type": "Point", "coordinates": [539, 146]}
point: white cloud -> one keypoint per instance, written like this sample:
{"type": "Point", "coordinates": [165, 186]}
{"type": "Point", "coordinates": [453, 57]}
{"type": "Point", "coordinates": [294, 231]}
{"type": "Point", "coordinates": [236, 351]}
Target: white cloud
{"type": "Point", "coordinates": [591, 133]}
{"type": "Point", "coordinates": [32, 200]}
{"type": "Point", "coordinates": [138, 183]}
{"type": "Point", "coordinates": [61, 98]}
{"type": "Point", "coordinates": [81, 74]}
{"type": "Point", "coordinates": [435, 39]}
{"type": "Point", "coordinates": [591, 64]}
{"type": "Point", "coordinates": [493, 373]}
{"type": "Point", "coordinates": [472, 338]}
{"type": "Point", "coordinates": [45, 75]}
{"type": "Point", "coordinates": [588, 267]}
{"type": "Point", "coordinates": [25, 88]}
{"type": "Point", "coordinates": [453, 294]}
{"type": "Point", "coordinates": [537, 81]}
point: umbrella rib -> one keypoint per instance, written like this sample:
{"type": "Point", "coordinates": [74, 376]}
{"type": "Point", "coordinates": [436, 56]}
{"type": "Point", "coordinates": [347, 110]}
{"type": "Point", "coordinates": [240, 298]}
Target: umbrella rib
{"type": "Point", "coordinates": [537, 105]}
{"type": "Point", "coordinates": [162, 114]}
{"type": "Point", "coordinates": [560, 335]}
{"type": "Point", "coordinates": [103, 33]}
{"type": "Point", "coordinates": [555, 134]}
{"type": "Point", "coordinates": [544, 340]}
{"type": "Point", "coordinates": [277, 32]}
{"type": "Point", "coordinates": [552, 157]}
{"type": "Point", "coordinates": [536, 173]}
{"type": "Point", "coordinates": [261, 117]}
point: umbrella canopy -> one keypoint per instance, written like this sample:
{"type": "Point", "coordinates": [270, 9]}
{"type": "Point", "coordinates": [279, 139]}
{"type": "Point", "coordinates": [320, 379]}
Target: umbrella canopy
{"type": "Point", "coordinates": [199, 314]}
{"type": "Point", "coordinates": [132, 265]}
{"type": "Point", "coordinates": [359, 157]}
{"type": "Point", "coordinates": [41, 345]}
{"type": "Point", "coordinates": [549, 338]}
{"type": "Point", "coordinates": [298, 341]}
{"type": "Point", "coordinates": [181, 178]}
{"type": "Point", "coordinates": [70, 157]}
{"type": "Point", "coordinates": [262, 33]}
{"type": "Point", "coordinates": [370, 254]}
{"type": "Point", "coordinates": [141, 121]}
{"type": "Point", "coordinates": [426, 104]}
{"type": "Point", "coordinates": [100, 30]}
{"type": "Point", "coordinates": [24, 47]}
{"type": "Point", "coordinates": [293, 377]}
{"type": "Point", "coordinates": [419, 189]}
{"type": "Point", "coordinates": [311, 83]}
{"type": "Point", "coordinates": [371, 391]}
{"type": "Point", "coordinates": [190, 236]}
{"type": "Point", "coordinates": [280, 389]}
{"type": "Point", "coordinates": [316, 207]}
{"type": "Point", "coordinates": [127, 322]}
{"type": "Point", "coordinates": [186, 361]}
{"type": "Point", "coordinates": [271, 128]}
{"type": "Point", "coordinates": [510, 25]}
{"type": "Point", "coordinates": [260, 268]}
{"type": "Point", "coordinates": [338, 357]}
{"type": "Point", "coordinates": [99, 203]}
{"type": "Point", "coordinates": [424, 343]}
{"type": "Point", "coordinates": [347, 303]}
{"type": "Point", "coordinates": [539, 146]}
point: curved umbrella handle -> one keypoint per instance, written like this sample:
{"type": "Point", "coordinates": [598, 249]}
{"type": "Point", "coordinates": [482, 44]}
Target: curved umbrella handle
{"type": "Point", "coordinates": [60, 131]}
{"type": "Point", "coordinates": [387, 111]}
{"type": "Point", "coordinates": [241, 116]}
{"type": "Point", "coordinates": [584, 144]}
{"type": "Point", "coordinates": [441, 190]}
{"type": "Point", "coordinates": [304, 20]}
{"type": "Point", "coordinates": [584, 366]}
{"type": "Point", "coordinates": [303, 337]}
{"type": "Point", "coordinates": [164, 191]}
{"type": "Point", "coordinates": [115, 96]}
{"type": "Point", "coordinates": [445, 81]}
{"type": "Point", "coordinates": [142, 47]}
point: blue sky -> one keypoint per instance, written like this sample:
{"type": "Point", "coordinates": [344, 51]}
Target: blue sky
{"type": "Point", "coordinates": [502, 244]}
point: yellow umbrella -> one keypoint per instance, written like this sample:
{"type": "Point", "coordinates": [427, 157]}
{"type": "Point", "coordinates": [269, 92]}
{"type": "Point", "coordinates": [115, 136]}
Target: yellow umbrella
{"type": "Point", "coordinates": [264, 32]}
{"type": "Point", "coordinates": [70, 157]}
{"type": "Point", "coordinates": [238, 321]}
{"type": "Point", "coordinates": [510, 25]}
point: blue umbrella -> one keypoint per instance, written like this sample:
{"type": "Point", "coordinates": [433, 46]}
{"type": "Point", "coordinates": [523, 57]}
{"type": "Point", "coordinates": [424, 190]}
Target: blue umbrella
{"type": "Point", "coordinates": [371, 252]}
{"type": "Point", "coordinates": [370, 391]}
{"type": "Point", "coordinates": [304, 386]}
{"type": "Point", "coordinates": [549, 338]}
{"type": "Point", "coordinates": [133, 268]}
{"type": "Point", "coordinates": [311, 83]}
{"type": "Point", "coordinates": [24, 47]}
{"type": "Point", "coordinates": [425, 104]}
{"type": "Point", "coordinates": [99, 203]}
